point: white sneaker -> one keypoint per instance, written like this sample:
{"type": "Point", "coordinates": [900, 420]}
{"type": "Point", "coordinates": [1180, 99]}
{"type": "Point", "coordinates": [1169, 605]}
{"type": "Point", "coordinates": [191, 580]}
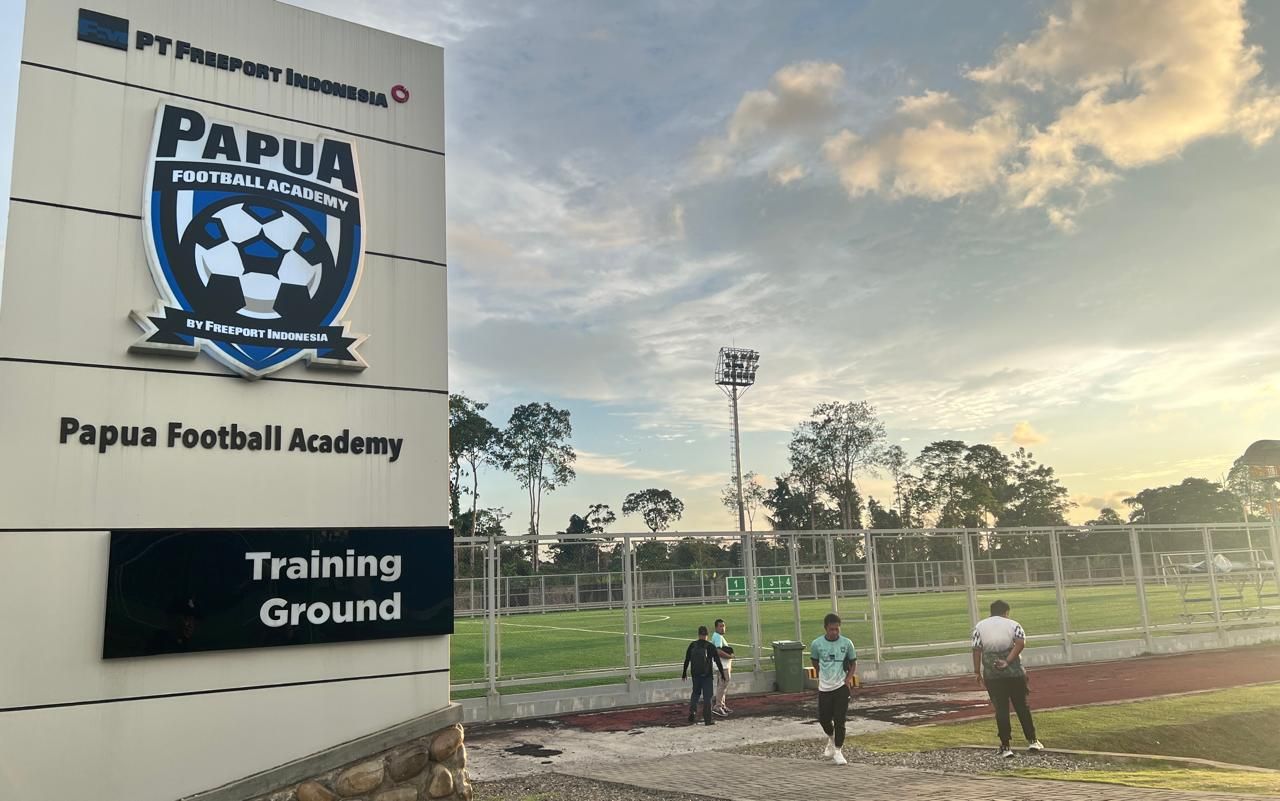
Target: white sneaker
{"type": "Point", "coordinates": [1036, 747]}
{"type": "Point", "coordinates": [839, 758]}
{"type": "Point", "coordinates": [1005, 752]}
{"type": "Point", "coordinates": [831, 749]}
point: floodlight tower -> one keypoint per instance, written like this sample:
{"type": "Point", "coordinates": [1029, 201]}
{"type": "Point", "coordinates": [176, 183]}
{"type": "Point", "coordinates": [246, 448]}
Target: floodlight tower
{"type": "Point", "coordinates": [735, 374]}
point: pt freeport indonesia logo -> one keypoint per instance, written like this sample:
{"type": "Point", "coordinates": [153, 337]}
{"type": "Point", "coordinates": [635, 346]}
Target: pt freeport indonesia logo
{"type": "Point", "coordinates": [255, 242]}
{"type": "Point", "coordinates": [110, 31]}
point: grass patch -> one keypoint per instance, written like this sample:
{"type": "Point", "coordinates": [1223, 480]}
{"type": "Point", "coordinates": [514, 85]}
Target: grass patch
{"type": "Point", "coordinates": [1165, 777]}
{"type": "Point", "coordinates": [561, 642]}
{"type": "Point", "coordinates": [1236, 725]}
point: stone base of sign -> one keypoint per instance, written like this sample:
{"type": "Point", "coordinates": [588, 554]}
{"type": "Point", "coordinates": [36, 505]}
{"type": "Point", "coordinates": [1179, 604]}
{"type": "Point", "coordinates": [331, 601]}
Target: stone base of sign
{"type": "Point", "coordinates": [421, 760]}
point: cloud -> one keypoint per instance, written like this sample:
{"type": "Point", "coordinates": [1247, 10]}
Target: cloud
{"type": "Point", "coordinates": [799, 97]}
{"type": "Point", "coordinates": [477, 246]}
{"type": "Point", "coordinates": [544, 358]}
{"type": "Point", "coordinates": [1024, 434]}
{"type": "Point", "coordinates": [1151, 77]}
{"type": "Point", "coordinates": [450, 21]}
{"type": "Point", "coordinates": [1102, 89]}
{"type": "Point", "coordinates": [934, 159]}
{"type": "Point", "coordinates": [602, 465]}
{"type": "Point", "coordinates": [1162, 472]}
{"type": "Point", "coordinates": [613, 466]}
{"type": "Point", "coordinates": [788, 174]}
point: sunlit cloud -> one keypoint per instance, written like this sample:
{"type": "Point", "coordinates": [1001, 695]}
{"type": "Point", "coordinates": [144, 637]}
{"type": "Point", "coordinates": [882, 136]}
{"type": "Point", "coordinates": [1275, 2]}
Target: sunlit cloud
{"type": "Point", "coordinates": [1101, 89]}
{"type": "Point", "coordinates": [799, 98]}
{"type": "Point", "coordinates": [1024, 434]}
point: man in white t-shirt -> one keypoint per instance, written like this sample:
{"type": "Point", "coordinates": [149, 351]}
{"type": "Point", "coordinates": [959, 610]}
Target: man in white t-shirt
{"type": "Point", "coordinates": [726, 659]}
{"type": "Point", "coordinates": [997, 646]}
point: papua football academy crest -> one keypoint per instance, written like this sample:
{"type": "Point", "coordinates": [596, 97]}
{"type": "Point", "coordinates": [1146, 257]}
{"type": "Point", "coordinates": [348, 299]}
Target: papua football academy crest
{"type": "Point", "coordinates": [255, 241]}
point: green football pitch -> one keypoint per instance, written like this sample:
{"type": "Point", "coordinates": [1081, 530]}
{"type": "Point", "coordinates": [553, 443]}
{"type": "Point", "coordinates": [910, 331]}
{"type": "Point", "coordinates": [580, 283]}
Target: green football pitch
{"type": "Point", "coordinates": [559, 643]}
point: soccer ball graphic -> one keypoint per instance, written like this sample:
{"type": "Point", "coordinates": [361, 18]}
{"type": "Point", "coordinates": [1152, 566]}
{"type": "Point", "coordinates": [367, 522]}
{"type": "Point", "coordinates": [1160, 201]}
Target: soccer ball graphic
{"type": "Point", "coordinates": [258, 258]}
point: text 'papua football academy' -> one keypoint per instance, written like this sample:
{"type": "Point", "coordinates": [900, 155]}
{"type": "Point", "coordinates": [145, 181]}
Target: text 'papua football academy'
{"type": "Point", "coordinates": [228, 438]}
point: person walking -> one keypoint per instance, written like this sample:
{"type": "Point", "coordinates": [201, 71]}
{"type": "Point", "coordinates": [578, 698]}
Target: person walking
{"type": "Point", "coordinates": [699, 658]}
{"type": "Point", "coordinates": [835, 661]}
{"type": "Point", "coordinates": [725, 652]}
{"type": "Point", "coordinates": [998, 641]}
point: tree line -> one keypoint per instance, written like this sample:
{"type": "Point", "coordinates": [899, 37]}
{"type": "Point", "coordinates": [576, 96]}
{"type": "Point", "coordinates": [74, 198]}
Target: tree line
{"type": "Point", "coordinates": [533, 448]}
{"type": "Point", "coordinates": [948, 484]}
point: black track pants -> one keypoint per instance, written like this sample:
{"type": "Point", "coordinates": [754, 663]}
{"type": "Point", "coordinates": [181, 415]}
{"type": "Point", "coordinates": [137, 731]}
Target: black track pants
{"type": "Point", "coordinates": [833, 710]}
{"type": "Point", "coordinates": [1011, 690]}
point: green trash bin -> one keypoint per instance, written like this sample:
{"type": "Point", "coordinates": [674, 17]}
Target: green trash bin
{"type": "Point", "coordinates": [788, 664]}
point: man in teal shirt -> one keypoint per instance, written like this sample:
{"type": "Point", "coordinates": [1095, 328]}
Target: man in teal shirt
{"type": "Point", "coordinates": [835, 660]}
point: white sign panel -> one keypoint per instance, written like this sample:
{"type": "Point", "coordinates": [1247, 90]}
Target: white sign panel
{"type": "Point", "coordinates": [203, 194]}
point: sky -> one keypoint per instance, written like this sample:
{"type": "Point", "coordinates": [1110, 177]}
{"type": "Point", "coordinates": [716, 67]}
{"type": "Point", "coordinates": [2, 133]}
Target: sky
{"type": "Point", "coordinates": [1040, 224]}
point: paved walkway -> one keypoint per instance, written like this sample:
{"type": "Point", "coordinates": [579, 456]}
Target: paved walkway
{"type": "Point", "coordinates": [750, 778]}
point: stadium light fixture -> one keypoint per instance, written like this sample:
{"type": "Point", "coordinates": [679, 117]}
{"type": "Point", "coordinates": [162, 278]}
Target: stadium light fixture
{"type": "Point", "coordinates": [735, 374]}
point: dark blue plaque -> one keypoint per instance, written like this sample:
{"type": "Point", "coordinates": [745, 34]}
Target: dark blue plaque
{"type": "Point", "coordinates": [177, 591]}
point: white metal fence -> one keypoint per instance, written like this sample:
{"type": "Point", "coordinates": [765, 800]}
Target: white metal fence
{"type": "Point", "coordinates": [926, 589]}
{"type": "Point", "coordinates": [558, 592]}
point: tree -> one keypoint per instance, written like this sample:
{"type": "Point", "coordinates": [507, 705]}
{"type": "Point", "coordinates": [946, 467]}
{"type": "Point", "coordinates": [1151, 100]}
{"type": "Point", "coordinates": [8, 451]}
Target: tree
{"type": "Point", "coordinates": [843, 440]}
{"type": "Point", "coordinates": [599, 518]}
{"type": "Point", "coordinates": [1099, 535]}
{"type": "Point", "coordinates": [881, 517]}
{"type": "Point", "coordinates": [651, 555]}
{"type": "Point", "coordinates": [514, 559]}
{"type": "Point", "coordinates": [914, 501]}
{"type": "Point", "coordinates": [1106, 517]}
{"type": "Point", "coordinates": [964, 485]}
{"type": "Point", "coordinates": [987, 483]}
{"type": "Point", "coordinates": [753, 497]}
{"type": "Point", "coordinates": [895, 461]}
{"type": "Point", "coordinates": [806, 474]}
{"type": "Point", "coordinates": [895, 547]}
{"type": "Point", "coordinates": [692, 553]}
{"type": "Point", "coordinates": [658, 507]}
{"type": "Point", "coordinates": [472, 443]}
{"type": "Point", "coordinates": [944, 483]}
{"type": "Point", "coordinates": [534, 447]}
{"type": "Point", "coordinates": [573, 555]}
{"type": "Point", "coordinates": [1252, 492]}
{"type": "Point", "coordinates": [1037, 498]}
{"type": "Point", "coordinates": [1195, 500]}
{"type": "Point", "coordinates": [485, 523]}
{"type": "Point", "coordinates": [788, 509]}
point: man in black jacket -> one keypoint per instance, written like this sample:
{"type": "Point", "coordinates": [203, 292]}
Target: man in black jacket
{"type": "Point", "coordinates": [698, 659]}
